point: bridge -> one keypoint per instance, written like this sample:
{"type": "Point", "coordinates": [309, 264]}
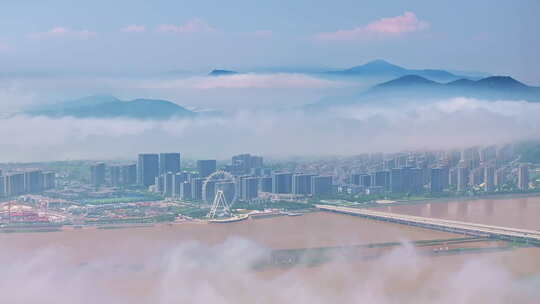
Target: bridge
{"type": "Point", "coordinates": [529, 237]}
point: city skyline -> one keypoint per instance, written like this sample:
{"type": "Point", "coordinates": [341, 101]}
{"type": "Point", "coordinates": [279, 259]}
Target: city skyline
{"type": "Point", "coordinates": [309, 151]}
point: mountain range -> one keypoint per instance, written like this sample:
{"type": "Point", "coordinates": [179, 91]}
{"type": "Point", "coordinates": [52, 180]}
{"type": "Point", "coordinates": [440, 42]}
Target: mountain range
{"type": "Point", "coordinates": [378, 70]}
{"type": "Point", "coordinates": [384, 70]}
{"type": "Point", "coordinates": [104, 106]}
{"type": "Point", "coordinates": [417, 88]}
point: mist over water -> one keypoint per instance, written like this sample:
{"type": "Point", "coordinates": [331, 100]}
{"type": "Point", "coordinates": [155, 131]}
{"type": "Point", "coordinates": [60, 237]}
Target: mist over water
{"type": "Point", "coordinates": [193, 272]}
{"type": "Point", "coordinates": [195, 263]}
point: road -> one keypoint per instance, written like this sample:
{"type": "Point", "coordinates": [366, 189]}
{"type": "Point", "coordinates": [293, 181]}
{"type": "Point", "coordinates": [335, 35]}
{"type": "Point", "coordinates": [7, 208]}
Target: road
{"type": "Point", "coordinates": [505, 233]}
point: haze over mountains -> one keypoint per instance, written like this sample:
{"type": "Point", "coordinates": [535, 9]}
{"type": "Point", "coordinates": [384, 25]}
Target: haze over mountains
{"type": "Point", "coordinates": [415, 85]}
{"type": "Point", "coordinates": [417, 88]}
{"type": "Point", "coordinates": [104, 106]}
{"type": "Point", "coordinates": [379, 69]}
{"type": "Point", "coordinates": [220, 72]}
{"type": "Point", "coordinates": [383, 69]}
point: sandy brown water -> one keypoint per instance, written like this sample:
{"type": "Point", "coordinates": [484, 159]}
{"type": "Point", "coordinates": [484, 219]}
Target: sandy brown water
{"type": "Point", "coordinates": [207, 263]}
{"type": "Point", "coordinates": [310, 230]}
{"type": "Point", "coordinates": [520, 212]}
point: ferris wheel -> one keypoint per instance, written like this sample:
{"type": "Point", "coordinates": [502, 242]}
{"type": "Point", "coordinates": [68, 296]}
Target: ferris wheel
{"type": "Point", "coordinates": [219, 181]}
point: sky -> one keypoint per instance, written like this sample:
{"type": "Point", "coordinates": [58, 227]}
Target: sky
{"type": "Point", "coordinates": [58, 50]}
{"type": "Point", "coordinates": [50, 37]}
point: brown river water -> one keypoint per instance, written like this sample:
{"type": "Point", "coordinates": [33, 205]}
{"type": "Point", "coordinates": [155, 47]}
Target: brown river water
{"type": "Point", "coordinates": [521, 212]}
{"type": "Point", "coordinates": [209, 263]}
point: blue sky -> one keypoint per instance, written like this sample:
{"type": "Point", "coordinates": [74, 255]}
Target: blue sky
{"type": "Point", "coordinates": [499, 37]}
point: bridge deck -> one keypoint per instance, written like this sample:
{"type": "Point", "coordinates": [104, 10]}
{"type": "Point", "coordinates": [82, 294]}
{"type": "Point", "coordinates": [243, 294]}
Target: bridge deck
{"type": "Point", "coordinates": [480, 230]}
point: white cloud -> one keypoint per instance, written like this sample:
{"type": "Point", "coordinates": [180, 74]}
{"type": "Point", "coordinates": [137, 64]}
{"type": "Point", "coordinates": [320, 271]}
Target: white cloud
{"type": "Point", "coordinates": [191, 26]}
{"type": "Point", "coordinates": [64, 32]}
{"type": "Point", "coordinates": [133, 29]}
{"type": "Point", "coordinates": [385, 27]}
{"type": "Point", "coordinates": [357, 129]}
{"type": "Point", "coordinates": [184, 269]}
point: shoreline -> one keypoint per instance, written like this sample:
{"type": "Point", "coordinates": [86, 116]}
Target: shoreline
{"type": "Point", "coordinates": [64, 228]}
{"type": "Point", "coordinates": [457, 199]}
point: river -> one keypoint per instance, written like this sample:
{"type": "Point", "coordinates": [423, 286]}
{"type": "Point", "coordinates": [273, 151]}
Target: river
{"type": "Point", "coordinates": [209, 263]}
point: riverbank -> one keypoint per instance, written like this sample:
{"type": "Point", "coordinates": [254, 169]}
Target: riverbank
{"type": "Point", "coordinates": [456, 198]}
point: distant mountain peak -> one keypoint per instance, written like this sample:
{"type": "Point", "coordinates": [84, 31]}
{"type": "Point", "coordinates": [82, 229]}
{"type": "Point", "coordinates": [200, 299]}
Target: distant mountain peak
{"type": "Point", "coordinates": [383, 69]}
{"type": "Point", "coordinates": [376, 66]}
{"type": "Point", "coordinates": [408, 80]}
{"type": "Point", "coordinates": [100, 106]}
{"type": "Point", "coordinates": [379, 62]}
{"type": "Point", "coordinates": [221, 72]}
{"type": "Point", "coordinates": [501, 82]}
{"type": "Point", "coordinates": [462, 82]}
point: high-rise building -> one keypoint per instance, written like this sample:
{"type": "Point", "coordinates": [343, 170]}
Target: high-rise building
{"type": "Point", "coordinates": [523, 177]}
{"type": "Point", "coordinates": [500, 178]}
{"type": "Point", "coordinates": [196, 188]}
{"type": "Point", "coordinates": [389, 164]}
{"type": "Point", "coordinates": [250, 188]}
{"type": "Point", "coordinates": [14, 184]}
{"type": "Point", "coordinates": [206, 167]}
{"type": "Point", "coordinates": [129, 174]}
{"type": "Point", "coordinates": [453, 157]}
{"type": "Point", "coordinates": [396, 180]}
{"type": "Point", "coordinates": [462, 178]}
{"type": "Point", "coordinates": [445, 177]}
{"type": "Point", "coordinates": [488, 153]}
{"type": "Point", "coordinates": [116, 175]}
{"type": "Point", "coordinates": [169, 162]}
{"type": "Point", "coordinates": [185, 191]}
{"type": "Point", "coordinates": [265, 184]}
{"type": "Point", "coordinates": [401, 161]}
{"type": "Point", "coordinates": [159, 183]}
{"type": "Point", "coordinates": [471, 157]}
{"type": "Point", "coordinates": [381, 179]}
{"type": "Point", "coordinates": [321, 185]}
{"type": "Point", "coordinates": [238, 185]}
{"type": "Point", "coordinates": [356, 179]}
{"type": "Point", "coordinates": [178, 179]}
{"type": "Point", "coordinates": [436, 180]}
{"type": "Point", "coordinates": [2, 185]}
{"type": "Point", "coordinates": [49, 180]}
{"type": "Point", "coordinates": [453, 177]}
{"type": "Point", "coordinates": [417, 180]}
{"type": "Point", "coordinates": [243, 163]}
{"type": "Point", "coordinates": [209, 192]}
{"type": "Point", "coordinates": [301, 184]}
{"type": "Point", "coordinates": [168, 185]}
{"type": "Point", "coordinates": [97, 174]}
{"type": "Point", "coordinates": [489, 178]}
{"type": "Point", "coordinates": [365, 180]}
{"type": "Point", "coordinates": [147, 169]}
{"type": "Point", "coordinates": [476, 176]}
{"type": "Point", "coordinates": [33, 181]}
{"type": "Point", "coordinates": [282, 182]}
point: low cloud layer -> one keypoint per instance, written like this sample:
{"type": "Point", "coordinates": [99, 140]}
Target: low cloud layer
{"type": "Point", "coordinates": [248, 81]}
{"type": "Point", "coordinates": [352, 130]}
